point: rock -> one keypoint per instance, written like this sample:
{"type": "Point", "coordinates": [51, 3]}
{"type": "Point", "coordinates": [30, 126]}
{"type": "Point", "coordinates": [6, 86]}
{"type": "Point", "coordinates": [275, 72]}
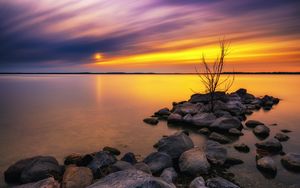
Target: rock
{"type": "Point", "coordinates": [241, 91]}
{"type": "Point", "coordinates": [253, 123]}
{"type": "Point", "coordinates": [200, 98]}
{"type": "Point", "coordinates": [266, 164]}
{"type": "Point", "coordinates": [120, 165]}
{"type": "Point", "coordinates": [100, 163]}
{"type": "Point", "coordinates": [291, 161]}
{"type": "Point", "coordinates": [235, 107]}
{"type": "Point", "coordinates": [77, 177]}
{"type": "Point", "coordinates": [261, 130]}
{"type": "Point", "coordinates": [45, 183]}
{"type": "Point", "coordinates": [33, 169]}
{"type": "Point", "coordinates": [235, 132]}
{"type": "Point", "coordinates": [203, 119]}
{"type": "Point", "coordinates": [219, 138]}
{"type": "Point", "coordinates": [73, 158]}
{"type": "Point", "coordinates": [169, 175]}
{"type": "Point", "coordinates": [86, 159]}
{"type": "Point", "coordinates": [143, 167]}
{"type": "Point", "coordinates": [198, 182]}
{"type": "Point", "coordinates": [129, 157]}
{"type": "Point", "coordinates": [151, 120]}
{"type": "Point", "coordinates": [231, 161]}
{"type": "Point", "coordinates": [281, 137]}
{"type": "Point", "coordinates": [219, 182]}
{"type": "Point", "coordinates": [130, 178]}
{"type": "Point", "coordinates": [188, 118]}
{"type": "Point", "coordinates": [175, 144]}
{"type": "Point", "coordinates": [216, 154]}
{"type": "Point", "coordinates": [285, 131]}
{"type": "Point", "coordinates": [204, 131]}
{"type": "Point", "coordinates": [163, 112]}
{"type": "Point", "coordinates": [194, 162]}
{"type": "Point", "coordinates": [111, 150]}
{"type": "Point", "coordinates": [225, 123]}
{"type": "Point", "coordinates": [270, 145]}
{"type": "Point", "coordinates": [188, 108]}
{"type": "Point", "coordinates": [174, 118]}
{"type": "Point", "coordinates": [158, 161]}
{"type": "Point", "coordinates": [222, 113]}
{"type": "Point", "coordinates": [242, 147]}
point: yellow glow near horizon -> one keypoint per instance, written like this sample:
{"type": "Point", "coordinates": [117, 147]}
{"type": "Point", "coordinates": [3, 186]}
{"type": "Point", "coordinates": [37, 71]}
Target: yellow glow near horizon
{"type": "Point", "coordinates": [98, 57]}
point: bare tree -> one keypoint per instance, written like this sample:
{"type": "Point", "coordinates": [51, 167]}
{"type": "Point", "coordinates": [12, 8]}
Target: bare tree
{"type": "Point", "coordinates": [211, 74]}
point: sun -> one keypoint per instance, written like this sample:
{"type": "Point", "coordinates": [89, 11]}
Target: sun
{"type": "Point", "coordinates": [97, 57]}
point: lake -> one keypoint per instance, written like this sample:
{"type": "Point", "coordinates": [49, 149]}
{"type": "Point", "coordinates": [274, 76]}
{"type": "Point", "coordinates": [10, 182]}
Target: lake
{"type": "Point", "coordinates": [62, 114]}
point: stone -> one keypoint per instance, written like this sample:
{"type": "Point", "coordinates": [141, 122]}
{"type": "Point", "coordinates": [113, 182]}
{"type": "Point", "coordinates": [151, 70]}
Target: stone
{"type": "Point", "coordinates": [225, 123]}
{"type": "Point", "coordinates": [73, 158]}
{"type": "Point", "coordinates": [281, 137]}
{"type": "Point", "coordinates": [129, 157]}
{"type": "Point", "coordinates": [216, 154]}
{"type": "Point", "coordinates": [174, 118]}
{"type": "Point", "coordinates": [198, 182]}
{"type": "Point", "coordinates": [77, 177]}
{"type": "Point", "coordinates": [45, 183]}
{"type": "Point", "coordinates": [143, 167]}
{"type": "Point", "coordinates": [188, 118]}
{"type": "Point", "coordinates": [100, 163]}
{"type": "Point", "coordinates": [151, 120]}
{"type": "Point", "coordinates": [261, 130]}
{"type": "Point", "coordinates": [86, 159]}
{"type": "Point", "coordinates": [271, 145]}
{"type": "Point", "coordinates": [266, 164]}
{"type": "Point", "coordinates": [286, 131]}
{"type": "Point", "coordinates": [158, 161]}
{"type": "Point", "coordinates": [253, 123]}
{"type": "Point", "coordinates": [242, 147]}
{"type": "Point", "coordinates": [203, 119]}
{"type": "Point", "coordinates": [130, 178]}
{"type": "Point", "coordinates": [194, 162]}
{"type": "Point", "coordinates": [219, 138]}
{"type": "Point", "coordinates": [32, 170]}
{"type": "Point", "coordinates": [169, 175]}
{"type": "Point", "coordinates": [188, 108]}
{"type": "Point", "coordinates": [241, 91]}
{"type": "Point", "coordinates": [120, 165]}
{"type": "Point", "coordinates": [235, 107]}
{"type": "Point", "coordinates": [235, 132]}
{"type": "Point", "coordinates": [204, 131]}
{"type": "Point", "coordinates": [163, 112]}
{"type": "Point", "coordinates": [200, 98]}
{"type": "Point", "coordinates": [219, 182]}
{"type": "Point", "coordinates": [174, 145]}
{"type": "Point", "coordinates": [291, 161]}
{"type": "Point", "coordinates": [112, 150]}
{"type": "Point", "coordinates": [222, 113]}
{"type": "Point", "coordinates": [231, 161]}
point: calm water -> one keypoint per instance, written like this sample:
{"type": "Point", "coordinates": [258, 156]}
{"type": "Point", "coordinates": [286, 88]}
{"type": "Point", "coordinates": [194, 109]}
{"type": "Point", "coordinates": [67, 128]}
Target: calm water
{"type": "Point", "coordinates": [62, 114]}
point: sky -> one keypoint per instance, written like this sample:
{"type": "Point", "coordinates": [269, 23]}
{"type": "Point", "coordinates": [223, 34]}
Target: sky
{"type": "Point", "coordinates": [147, 35]}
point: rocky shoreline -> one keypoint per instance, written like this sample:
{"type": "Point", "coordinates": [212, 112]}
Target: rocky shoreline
{"type": "Point", "coordinates": [177, 161]}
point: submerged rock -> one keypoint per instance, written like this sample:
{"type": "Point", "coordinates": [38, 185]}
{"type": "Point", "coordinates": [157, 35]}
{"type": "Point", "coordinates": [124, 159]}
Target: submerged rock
{"type": "Point", "coordinates": [253, 123]}
{"type": "Point", "coordinates": [151, 120]}
{"type": "Point", "coordinates": [77, 177]}
{"type": "Point", "coordinates": [174, 145]}
{"type": "Point", "coordinates": [198, 183]}
{"type": "Point", "coordinates": [169, 175]}
{"type": "Point", "coordinates": [219, 138]}
{"type": "Point", "coordinates": [129, 157]}
{"type": "Point", "coordinates": [111, 150]}
{"type": "Point", "coordinates": [130, 178]}
{"type": "Point", "coordinates": [225, 123]}
{"type": "Point", "coordinates": [45, 183]}
{"type": "Point", "coordinates": [281, 137]}
{"type": "Point", "coordinates": [270, 145]}
{"type": "Point", "coordinates": [219, 182]}
{"type": "Point", "coordinates": [204, 131]}
{"type": "Point", "coordinates": [291, 161]}
{"type": "Point", "coordinates": [261, 130]}
{"type": "Point", "coordinates": [203, 119]}
{"type": "Point", "coordinates": [174, 118]}
{"type": "Point", "coordinates": [286, 131]}
{"type": "Point", "coordinates": [242, 147]}
{"type": "Point", "coordinates": [235, 132]}
{"type": "Point", "coordinates": [216, 154]}
{"type": "Point", "coordinates": [266, 164]}
{"type": "Point", "coordinates": [231, 161]}
{"type": "Point", "coordinates": [32, 169]}
{"type": "Point", "coordinates": [158, 161]}
{"type": "Point", "coordinates": [194, 162]}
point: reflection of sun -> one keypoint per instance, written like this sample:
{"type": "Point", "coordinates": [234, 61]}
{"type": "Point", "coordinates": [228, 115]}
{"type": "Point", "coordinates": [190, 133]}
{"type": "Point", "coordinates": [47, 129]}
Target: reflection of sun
{"type": "Point", "coordinates": [97, 56]}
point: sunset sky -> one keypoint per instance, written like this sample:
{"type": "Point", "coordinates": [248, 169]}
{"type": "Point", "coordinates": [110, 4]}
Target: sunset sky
{"type": "Point", "coordinates": [147, 35]}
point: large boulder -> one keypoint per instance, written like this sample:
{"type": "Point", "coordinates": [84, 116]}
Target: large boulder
{"type": "Point", "coordinates": [45, 183]}
{"type": "Point", "coordinates": [163, 112]}
{"type": "Point", "coordinates": [225, 123]}
{"type": "Point", "coordinates": [112, 150]}
{"type": "Point", "coordinates": [77, 177]}
{"type": "Point", "coordinates": [198, 182]}
{"type": "Point", "coordinates": [130, 178]}
{"type": "Point", "coordinates": [100, 163]}
{"type": "Point", "coordinates": [174, 118]}
{"type": "Point", "coordinates": [188, 108]}
{"type": "Point", "coordinates": [261, 130]}
{"type": "Point", "coordinates": [120, 165]}
{"type": "Point", "coordinates": [143, 167]}
{"type": "Point", "coordinates": [129, 157]}
{"type": "Point", "coordinates": [158, 161]}
{"type": "Point", "coordinates": [271, 145]}
{"type": "Point", "coordinates": [291, 161]}
{"type": "Point", "coordinates": [200, 98]}
{"type": "Point", "coordinates": [266, 164]}
{"type": "Point", "coordinates": [203, 119]}
{"type": "Point", "coordinates": [33, 169]}
{"type": "Point", "coordinates": [253, 123]}
{"type": "Point", "coordinates": [194, 162]}
{"type": "Point", "coordinates": [169, 175]}
{"type": "Point", "coordinates": [216, 154]}
{"type": "Point", "coordinates": [219, 182]}
{"type": "Point", "coordinates": [235, 107]}
{"type": "Point", "coordinates": [174, 145]}
{"type": "Point", "coordinates": [219, 138]}
{"type": "Point", "coordinates": [73, 158]}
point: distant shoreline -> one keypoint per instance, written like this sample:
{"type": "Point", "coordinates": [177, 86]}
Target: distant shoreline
{"type": "Point", "coordinates": [142, 73]}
